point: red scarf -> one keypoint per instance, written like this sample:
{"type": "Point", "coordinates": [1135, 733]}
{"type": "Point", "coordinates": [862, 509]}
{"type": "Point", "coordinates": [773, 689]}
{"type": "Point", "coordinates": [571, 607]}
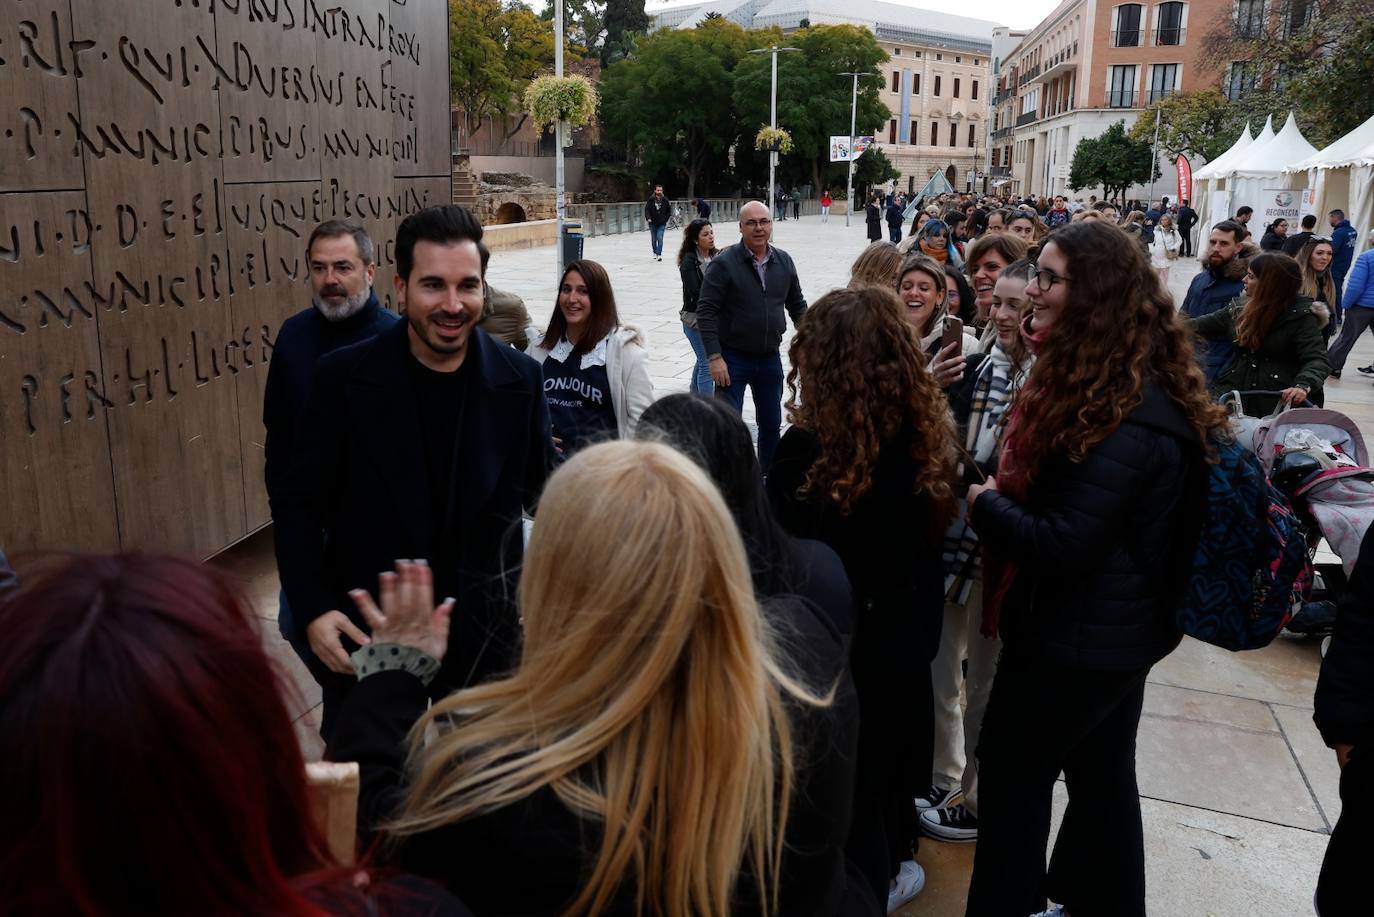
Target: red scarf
{"type": "Point", "coordinates": [939, 254]}
{"type": "Point", "coordinates": [999, 572]}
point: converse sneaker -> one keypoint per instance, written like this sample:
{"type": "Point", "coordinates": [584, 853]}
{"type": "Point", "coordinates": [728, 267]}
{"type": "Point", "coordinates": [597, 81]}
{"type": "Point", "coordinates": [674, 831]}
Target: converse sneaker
{"type": "Point", "coordinates": [936, 798]}
{"type": "Point", "coordinates": [953, 823]}
{"type": "Point", "coordinates": [911, 878]}
{"type": "Point", "coordinates": [1056, 911]}
{"type": "Point", "coordinates": [1367, 370]}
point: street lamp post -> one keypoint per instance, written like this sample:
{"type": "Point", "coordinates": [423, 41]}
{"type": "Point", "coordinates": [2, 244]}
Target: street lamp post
{"type": "Point", "coordinates": [853, 111]}
{"type": "Point", "coordinates": [559, 179]}
{"type": "Point", "coordinates": [772, 114]}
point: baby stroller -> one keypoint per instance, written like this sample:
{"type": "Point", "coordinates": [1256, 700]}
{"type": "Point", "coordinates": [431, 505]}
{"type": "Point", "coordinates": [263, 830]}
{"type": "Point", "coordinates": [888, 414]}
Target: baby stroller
{"type": "Point", "coordinates": [1317, 458]}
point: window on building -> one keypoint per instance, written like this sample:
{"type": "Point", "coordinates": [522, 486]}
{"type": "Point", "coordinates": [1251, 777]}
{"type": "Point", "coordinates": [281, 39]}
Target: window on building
{"type": "Point", "coordinates": [1163, 81]}
{"type": "Point", "coordinates": [973, 94]}
{"type": "Point", "coordinates": [1127, 32]}
{"type": "Point", "coordinates": [958, 60]}
{"type": "Point", "coordinates": [915, 84]}
{"type": "Point", "coordinates": [1299, 15]}
{"type": "Point", "coordinates": [956, 87]}
{"type": "Point", "coordinates": [1240, 79]}
{"type": "Point", "coordinates": [971, 132]}
{"type": "Point", "coordinates": [915, 133]}
{"type": "Point", "coordinates": [896, 52]}
{"type": "Point", "coordinates": [896, 81]}
{"type": "Point", "coordinates": [1169, 24]}
{"type": "Point", "coordinates": [937, 85]}
{"type": "Point", "coordinates": [1121, 86]}
{"type": "Point", "coordinates": [996, 157]}
{"type": "Point", "coordinates": [954, 135]}
{"type": "Point", "coordinates": [935, 133]}
{"type": "Point", "coordinates": [939, 57]}
{"type": "Point", "coordinates": [892, 131]}
{"type": "Point", "coordinates": [1249, 18]}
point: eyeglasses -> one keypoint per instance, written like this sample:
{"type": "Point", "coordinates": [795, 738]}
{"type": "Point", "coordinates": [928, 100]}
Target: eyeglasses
{"type": "Point", "coordinates": [757, 224]}
{"type": "Point", "coordinates": [1044, 279]}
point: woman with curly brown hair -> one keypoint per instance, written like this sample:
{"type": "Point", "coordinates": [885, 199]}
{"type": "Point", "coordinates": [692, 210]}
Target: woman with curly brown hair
{"type": "Point", "coordinates": [1088, 531]}
{"type": "Point", "coordinates": [868, 468]}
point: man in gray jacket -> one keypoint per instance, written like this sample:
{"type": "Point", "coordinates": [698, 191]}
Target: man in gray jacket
{"type": "Point", "coordinates": [740, 314]}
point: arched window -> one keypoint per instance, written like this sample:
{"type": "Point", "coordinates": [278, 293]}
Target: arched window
{"type": "Point", "coordinates": [1169, 24]}
{"type": "Point", "coordinates": [1126, 33]}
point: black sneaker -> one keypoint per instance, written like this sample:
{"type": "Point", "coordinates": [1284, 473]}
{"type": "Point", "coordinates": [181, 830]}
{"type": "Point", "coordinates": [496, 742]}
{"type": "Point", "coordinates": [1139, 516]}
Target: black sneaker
{"type": "Point", "coordinates": [955, 824]}
{"type": "Point", "coordinates": [1367, 370]}
{"type": "Point", "coordinates": [936, 797]}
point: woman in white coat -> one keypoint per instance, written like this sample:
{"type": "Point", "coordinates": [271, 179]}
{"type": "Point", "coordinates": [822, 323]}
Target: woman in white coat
{"type": "Point", "coordinates": [1164, 249]}
{"type": "Point", "coordinates": [596, 378]}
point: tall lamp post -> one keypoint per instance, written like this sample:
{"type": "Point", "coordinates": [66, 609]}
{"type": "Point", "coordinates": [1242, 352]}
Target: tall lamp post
{"type": "Point", "coordinates": [772, 114]}
{"type": "Point", "coordinates": [560, 202]}
{"type": "Point", "coordinates": [853, 111]}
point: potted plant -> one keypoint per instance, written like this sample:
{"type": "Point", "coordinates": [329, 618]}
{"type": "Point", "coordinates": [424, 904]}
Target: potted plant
{"type": "Point", "coordinates": [773, 139]}
{"type": "Point", "coordinates": [551, 99]}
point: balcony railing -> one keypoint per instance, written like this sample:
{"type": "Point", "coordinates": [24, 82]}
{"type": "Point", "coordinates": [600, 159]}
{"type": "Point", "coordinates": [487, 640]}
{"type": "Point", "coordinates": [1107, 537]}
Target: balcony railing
{"type": "Point", "coordinates": [1029, 75]}
{"type": "Point", "coordinates": [1121, 98]}
{"type": "Point", "coordinates": [1029, 117]}
{"type": "Point", "coordinates": [1001, 133]}
{"type": "Point", "coordinates": [1165, 37]}
{"type": "Point", "coordinates": [1155, 95]}
{"type": "Point", "coordinates": [1126, 38]}
{"type": "Point", "coordinates": [1002, 96]}
{"type": "Point", "coordinates": [1000, 171]}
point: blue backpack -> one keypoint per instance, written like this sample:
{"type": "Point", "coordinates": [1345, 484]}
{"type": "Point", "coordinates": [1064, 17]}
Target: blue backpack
{"type": "Point", "coordinates": [1251, 565]}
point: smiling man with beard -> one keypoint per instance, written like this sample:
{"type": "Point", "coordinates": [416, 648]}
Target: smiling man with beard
{"type": "Point", "coordinates": [426, 442]}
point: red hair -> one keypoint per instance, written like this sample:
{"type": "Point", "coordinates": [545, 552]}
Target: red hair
{"type": "Point", "coordinates": [150, 762]}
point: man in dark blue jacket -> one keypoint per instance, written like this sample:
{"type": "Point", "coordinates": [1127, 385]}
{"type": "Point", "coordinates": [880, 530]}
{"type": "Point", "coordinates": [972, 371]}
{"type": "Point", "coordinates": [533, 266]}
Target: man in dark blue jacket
{"type": "Point", "coordinates": [1343, 237]}
{"type": "Point", "coordinates": [427, 442]}
{"type": "Point", "coordinates": [741, 319]}
{"type": "Point", "coordinates": [343, 311]}
{"type": "Point", "coordinates": [1221, 280]}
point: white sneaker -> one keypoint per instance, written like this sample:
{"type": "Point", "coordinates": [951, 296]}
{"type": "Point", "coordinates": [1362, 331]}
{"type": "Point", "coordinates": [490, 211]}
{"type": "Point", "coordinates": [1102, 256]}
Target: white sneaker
{"type": "Point", "coordinates": [911, 878]}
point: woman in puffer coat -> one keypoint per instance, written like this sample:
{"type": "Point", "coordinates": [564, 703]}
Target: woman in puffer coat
{"type": "Point", "coordinates": [1276, 337]}
{"type": "Point", "coordinates": [596, 377]}
{"type": "Point", "coordinates": [1087, 532]}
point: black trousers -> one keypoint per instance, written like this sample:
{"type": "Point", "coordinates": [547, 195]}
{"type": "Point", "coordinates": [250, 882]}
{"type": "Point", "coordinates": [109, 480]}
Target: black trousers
{"type": "Point", "coordinates": [1041, 720]}
{"type": "Point", "coordinates": [1185, 248]}
{"type": "Point", "coordinates": [893, 647]}
{"type": "Point", "coordinates": [1343, 886]}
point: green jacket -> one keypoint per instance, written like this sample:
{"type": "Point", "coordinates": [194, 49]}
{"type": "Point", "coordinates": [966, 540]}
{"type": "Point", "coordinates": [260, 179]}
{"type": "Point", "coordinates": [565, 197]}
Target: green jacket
{"type": "Point", "coordinates": [1292, 353]}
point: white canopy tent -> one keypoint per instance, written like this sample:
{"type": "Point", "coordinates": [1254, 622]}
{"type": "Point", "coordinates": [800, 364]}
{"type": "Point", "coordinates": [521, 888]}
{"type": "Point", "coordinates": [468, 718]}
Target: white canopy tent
{"type": "Point", "coordinates": [1210, 181]}
{"type": "Point", "coordinates": [1257, 177]}
{"type": "Point", "coordinates": [1342, 175]}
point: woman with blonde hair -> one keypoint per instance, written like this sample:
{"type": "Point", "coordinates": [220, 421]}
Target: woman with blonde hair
{"type": "Point", "coordinates": [640, 758]}
{"type": "Point", "coordinates": [924, 290]}
{"type": "Point", "coordinates": [1314, 259]}
{"type": "Point", "coordinates": [877, 265]}
{"type": "Point", "coordinates": [868, 468]}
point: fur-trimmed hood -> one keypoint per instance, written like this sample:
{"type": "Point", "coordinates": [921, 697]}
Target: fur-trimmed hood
{"type": "Point", "coordinates": [1235, 268]}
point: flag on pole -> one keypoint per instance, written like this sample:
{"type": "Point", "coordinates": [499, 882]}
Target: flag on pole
{"type": "Point", "coordinates": [1184, 170]}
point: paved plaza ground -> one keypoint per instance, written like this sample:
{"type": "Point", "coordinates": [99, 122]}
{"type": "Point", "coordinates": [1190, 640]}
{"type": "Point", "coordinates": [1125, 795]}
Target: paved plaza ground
{"type": "Point", "coordinates": [1239, 794]}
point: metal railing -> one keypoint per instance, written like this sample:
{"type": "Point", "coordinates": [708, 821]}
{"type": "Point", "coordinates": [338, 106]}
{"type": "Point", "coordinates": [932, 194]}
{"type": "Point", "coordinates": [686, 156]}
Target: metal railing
{"type": "Point", "coordinates": [1169, 36]}
{"type": "Point", "coordinates": [1029, 75]}
{"type": "Point", "coordinates": [1001, 133]}
{"type": "Point", "coordinates": [1002, 96]}
{"type": "Point", "coordinates": [1028, 118]}
{"type": "Point", "coordinates": [1155, 95]}
{"type": "Point", "coordinates": [628, 216]}
{"type": "Point", "coordinates": [1121, 98]}
{"type": "Point", "coordinates": [1126, 38]}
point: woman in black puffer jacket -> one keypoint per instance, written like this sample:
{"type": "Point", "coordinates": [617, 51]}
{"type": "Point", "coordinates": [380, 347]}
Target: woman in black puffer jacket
{"type": "Point", "coordinates": [1087, 532]}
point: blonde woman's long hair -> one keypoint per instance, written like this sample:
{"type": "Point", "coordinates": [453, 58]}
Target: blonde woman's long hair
{"type": "Point", "coordinates": [878, 265]}
{"type": "Point", "coordinates": [649, 696]}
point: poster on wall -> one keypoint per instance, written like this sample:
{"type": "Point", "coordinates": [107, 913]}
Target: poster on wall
{"type": "Point", "coordinates": [1309, 202]}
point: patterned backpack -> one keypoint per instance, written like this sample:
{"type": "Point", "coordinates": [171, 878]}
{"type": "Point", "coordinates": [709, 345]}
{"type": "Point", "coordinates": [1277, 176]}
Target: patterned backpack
{"type": "Point", "coordinates": [1251, 566]}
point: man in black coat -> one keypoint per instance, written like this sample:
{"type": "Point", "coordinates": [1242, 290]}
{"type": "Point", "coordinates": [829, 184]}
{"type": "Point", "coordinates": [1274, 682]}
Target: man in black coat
{"type": "Point", "coordinates": [1187, 219]}
{"type": "Point", "coordinates": [426, 442]}
{"type": "Point", "coordinates": [343, 311]}
{"type": "Point", "coordinates": [1344, 714]}
{"type": "Point", "coordinates": [1294, 243]}
{"type": "Point", "coordinates": [658, 210]}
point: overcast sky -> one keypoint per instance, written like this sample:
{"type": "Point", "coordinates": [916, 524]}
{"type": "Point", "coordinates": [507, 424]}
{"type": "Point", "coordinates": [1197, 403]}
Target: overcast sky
{"type": "Point", "coordinates": [1019, 14]}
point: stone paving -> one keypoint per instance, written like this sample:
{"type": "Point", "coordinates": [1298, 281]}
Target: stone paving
{"type": "Point", "coordinates": [1239, 794]}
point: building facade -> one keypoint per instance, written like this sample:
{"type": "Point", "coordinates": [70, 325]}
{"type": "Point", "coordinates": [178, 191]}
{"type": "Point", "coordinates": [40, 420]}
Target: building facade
{"type": "Point", "coordinates": [937, 77]}
{"type": "Point", "coordinates": [1087, 65]}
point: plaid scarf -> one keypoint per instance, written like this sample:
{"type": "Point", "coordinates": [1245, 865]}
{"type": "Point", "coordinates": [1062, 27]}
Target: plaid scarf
{"type": "Point", "coordinates": [992, 392]}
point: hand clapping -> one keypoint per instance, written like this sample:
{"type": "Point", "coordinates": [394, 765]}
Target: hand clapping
{"type": "Point", "coordinates": [408, 616]}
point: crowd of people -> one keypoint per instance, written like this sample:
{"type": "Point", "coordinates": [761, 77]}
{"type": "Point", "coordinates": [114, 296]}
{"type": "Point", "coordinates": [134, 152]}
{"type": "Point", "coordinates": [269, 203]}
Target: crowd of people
{"type": "Point", "coordinates": [595, 652]}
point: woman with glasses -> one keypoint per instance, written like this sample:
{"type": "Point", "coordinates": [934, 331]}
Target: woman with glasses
{"type": "Point", "coordinates": [1087, 531]}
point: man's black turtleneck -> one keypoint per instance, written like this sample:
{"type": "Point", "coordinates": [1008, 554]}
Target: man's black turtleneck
{"type": "Point", "coordinates": [303, 339]}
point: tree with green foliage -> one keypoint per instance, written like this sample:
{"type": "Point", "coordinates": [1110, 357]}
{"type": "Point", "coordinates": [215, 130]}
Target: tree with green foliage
{"type": "Point", "coordinates": [813, 99]}
{"type": "Point", "coordinates": [1203, 123]}
{"type": "Point", "coordinates": [1112, 161]}
{"type": "Point", "coordinates": [625, 21]}
{"type": "Point", "coordinates": [494, 52]}
{"type": "Point", "coordinates": [1314, 57]}
{"type": "Point", "coordinates": [671, 101]}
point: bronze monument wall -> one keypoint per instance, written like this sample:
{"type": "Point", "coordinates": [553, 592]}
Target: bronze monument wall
{"type": "Point", "coordinates": [161, 164]}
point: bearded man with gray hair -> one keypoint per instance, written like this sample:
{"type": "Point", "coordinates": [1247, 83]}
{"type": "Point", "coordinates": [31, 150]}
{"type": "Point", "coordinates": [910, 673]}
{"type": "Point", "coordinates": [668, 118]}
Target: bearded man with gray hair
{"type": "Point", "coordinates": [341, 259]}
